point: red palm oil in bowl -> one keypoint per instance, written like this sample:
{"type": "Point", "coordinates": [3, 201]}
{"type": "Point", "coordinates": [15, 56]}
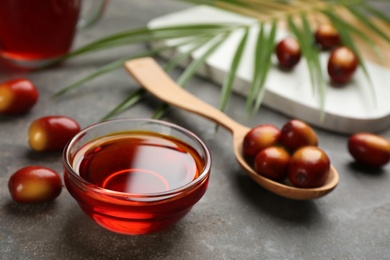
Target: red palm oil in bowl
{"type": "Point", "coordinates": [136, 176]}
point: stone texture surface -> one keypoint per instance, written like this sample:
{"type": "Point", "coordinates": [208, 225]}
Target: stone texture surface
{"type": "Point", "coordinates": [236, 219]}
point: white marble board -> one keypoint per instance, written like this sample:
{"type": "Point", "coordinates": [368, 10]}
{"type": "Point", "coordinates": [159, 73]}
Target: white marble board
{"type": "Point", "coordinates": [347, 110]}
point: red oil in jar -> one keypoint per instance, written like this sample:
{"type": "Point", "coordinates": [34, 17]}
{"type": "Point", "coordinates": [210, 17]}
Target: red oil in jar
{"type": "Point", "coordinates": [37, 29]}
{"type": "Point", "coordinates": [143, 165]}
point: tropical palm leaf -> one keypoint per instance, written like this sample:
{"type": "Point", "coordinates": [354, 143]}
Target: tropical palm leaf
{"type": "Point", "coordinates": [300, 16]}
{"type": "Point", "coordinates": [262, 64]}
{"type": "Point", "coordinates": [227, 86]}
{"type": "Point", "coordinates": [193, 68]}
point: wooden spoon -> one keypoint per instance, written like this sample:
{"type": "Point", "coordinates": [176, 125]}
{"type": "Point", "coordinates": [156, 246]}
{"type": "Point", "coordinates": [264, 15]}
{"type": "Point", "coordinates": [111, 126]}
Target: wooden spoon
{"type": "Point", "coordinates": [150, 75]}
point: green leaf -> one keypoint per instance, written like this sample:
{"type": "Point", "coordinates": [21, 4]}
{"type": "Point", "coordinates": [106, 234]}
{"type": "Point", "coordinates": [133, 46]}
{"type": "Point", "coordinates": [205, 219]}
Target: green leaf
{"type": "Point", "coordinates": [161, 110]}
{"type": "Point", "coordinates": [195, 65]}
{"type": "Point", "coordinates": [262, 63]}
{"type": "Point", "coordinates": [266, 12]}
{"type": "Point", "coordinates": [231, 75]}
{"type": "Point", "coordinates": [102, 70]}
{"type": "Point", "coordinates": [267, 63]}
{"type": "Point", "coordinates": [193, 68]}
{"type": "Point", "coordinates": [215, 2]}
{"type": "Point", "coordinates": [179, 57]}
{"type": "Point", "coordinates": [112, 66]}
{"type": "Point", "coordinates": [305, 49]}
{"type": "Point", "coordinates": [130, 101]}
{"type": "Point", "coordinates": [136, 96]}
{"type": "Point", "coordinates": [146, 34]}
{"type": "Point", "coordinates": [366, 21]}
{"type": "Point", "coordinates": [257, 72]}
{"type": "Point", "coordinates": [203, 2]}
{"type": "Point", "coordinates": [313, 55]}
{"type": "Point", "coordinates": [377, 13]}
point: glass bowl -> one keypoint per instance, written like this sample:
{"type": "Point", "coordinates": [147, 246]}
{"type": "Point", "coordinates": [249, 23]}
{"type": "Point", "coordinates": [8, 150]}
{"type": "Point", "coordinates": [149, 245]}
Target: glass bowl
{"type": "Point", "coordinates": [136, 176]}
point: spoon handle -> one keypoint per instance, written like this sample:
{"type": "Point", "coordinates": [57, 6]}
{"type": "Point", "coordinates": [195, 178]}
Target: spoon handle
{"type": "Point", "coordinates": [150, 75]}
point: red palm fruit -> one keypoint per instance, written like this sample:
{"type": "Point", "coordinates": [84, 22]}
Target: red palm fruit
{"type": "Point", "coordinates": [296, 133]}
{"type": "Point", "coordinates": [288, 52]}
{"type": "Point", "coordinates": [34, 184]}
{"type": "Point", "coordinates": [342, 64]}
{"type": "Point", "coordinates": [309, 167]}
{"type": "Point", "coordinates": [327, 37]}
{"type": "Point", "coordinates": [17, 96]}
{"type": "Point", "coordinates": [369, 149]}
{"type": "Point", "coordinates": [272, 163]}
{"type": "Point", "coordinates": [258, 138]}
{"type": "Point", "coordinates": [51, 133]}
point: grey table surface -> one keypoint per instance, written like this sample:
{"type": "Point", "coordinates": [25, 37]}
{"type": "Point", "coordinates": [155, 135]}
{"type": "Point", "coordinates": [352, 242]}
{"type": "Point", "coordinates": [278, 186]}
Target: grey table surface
{"type": "Point", "coordinates": [236, 219]}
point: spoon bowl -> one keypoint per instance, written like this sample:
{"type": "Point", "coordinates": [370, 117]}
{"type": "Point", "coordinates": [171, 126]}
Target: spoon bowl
{"type": "Point", "coordinates": [150, 75]}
